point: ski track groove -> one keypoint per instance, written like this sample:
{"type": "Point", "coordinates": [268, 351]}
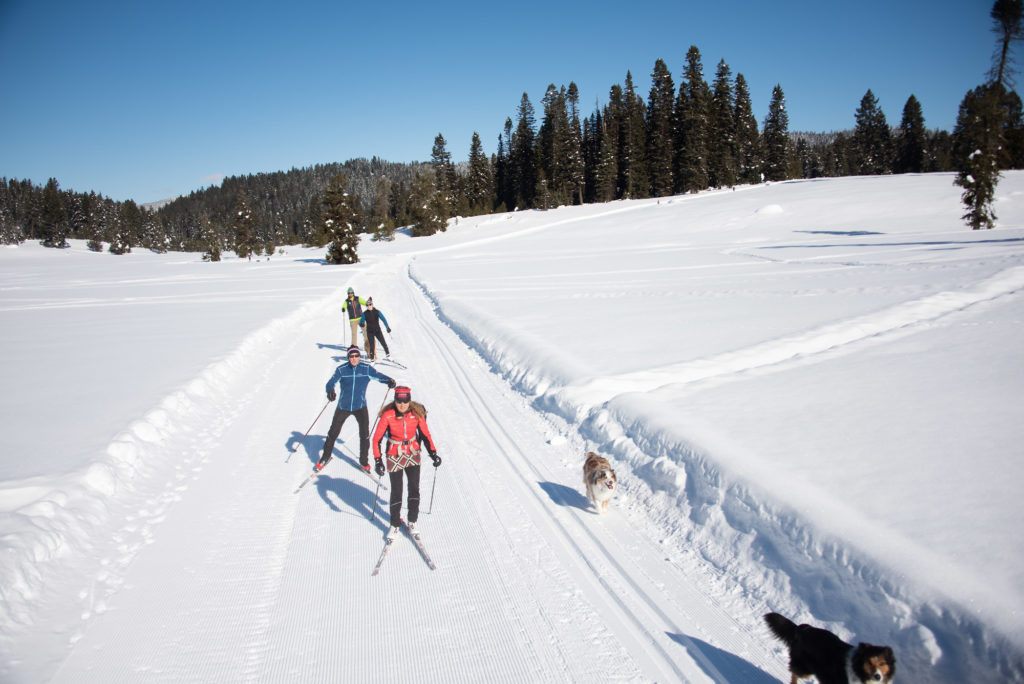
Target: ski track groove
{"type": "Point", "coordinates": [509, 450]}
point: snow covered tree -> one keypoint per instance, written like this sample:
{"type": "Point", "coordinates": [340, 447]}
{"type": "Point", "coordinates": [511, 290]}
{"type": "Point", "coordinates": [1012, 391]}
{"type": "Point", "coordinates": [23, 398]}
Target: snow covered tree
{"type": "Point", "coordinates": [381, 223]}
{"type": "Point", "coordinates": [211, 237]}
{"type": "Point", "coordinates": [427, 209]}
{"type": "Point", "coordinates": [775, 139]}
{"type": "Point", "coordinates": [871, 138]}
{"type": "Point", "coordinates": [244, 226]}
{"type": "Point", "coordinates": [978, 136]}
{"type": "Point", "coordinates": [910, 146]}
{"type": "Point", "coordinates": [53, 221]}
{"type": "Point", "coordinates": [340, 217]}
{"type": "Point", "coordinates": [985, 112]}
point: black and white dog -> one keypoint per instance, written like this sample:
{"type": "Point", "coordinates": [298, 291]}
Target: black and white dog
{"type": "Point", "coordinates": [820, 653]}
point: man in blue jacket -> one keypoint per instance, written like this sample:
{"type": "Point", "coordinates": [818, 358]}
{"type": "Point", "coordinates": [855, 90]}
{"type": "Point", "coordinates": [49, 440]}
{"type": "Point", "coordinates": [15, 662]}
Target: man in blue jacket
{"type": "Point", "coordinates": [353, 377]}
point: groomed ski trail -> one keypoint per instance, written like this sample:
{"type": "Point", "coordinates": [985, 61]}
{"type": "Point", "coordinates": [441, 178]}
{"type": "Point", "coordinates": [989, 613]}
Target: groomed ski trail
{"type": "Point", "coordinates": [275, 586]}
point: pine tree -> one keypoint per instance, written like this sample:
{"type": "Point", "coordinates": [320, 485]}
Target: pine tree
{"type": "Point", "coordinates": [444, 177]}
{"type": "Point", "coordinates": [244, 228]}
{"type": "Point", "coordinates": [692, 126]}
{"type": "Point", "coordinates": [606, 166]}
{"type": "Point", "coordinates": [552, 146]}
{"type": "Point", "coordinates": [381, 223]}
{"type": "Point", "coordinates": [480, 180]}
{"type": "Point", "coordinates": [522, 157]}
{"type": "Point", "coordinates": [52, 216]}
{"type": "Point", "coordinates": [212, 238]}
{"type": "Point", "coordinates": [722, 128]}
{"type": "Point", "coordinates": [575, 163]}
{"type": "Point", "coordinates": [1008, 25]}
{"type": "Point", "coordinates": [633, 178]}
{"type": "Point", "coordinates": [775, 139]}
{"type": "Point", "coordinates": [748, 147]}
{"type": "Point", "coordinates": [913, 137]}
{"type": "Point", "coordinates": [871, 138]}
{"type": "Point", "coordinates": [660, 130]}
{"type": "Point", "coordinates": [426, 208]}
{"type": "Point", "coordinates": [340, 218]}
{"type": "Point", "coordinates": [980, 132]}
{"type": "Point", "coordinates": [978, 135]}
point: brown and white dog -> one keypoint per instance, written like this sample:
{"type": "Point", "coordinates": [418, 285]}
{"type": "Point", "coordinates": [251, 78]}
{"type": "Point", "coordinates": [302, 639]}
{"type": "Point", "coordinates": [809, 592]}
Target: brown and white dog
{"type": "Point", "coordinates": [820, 653]}
{"type": "Point", "coordinates": [600, 481]}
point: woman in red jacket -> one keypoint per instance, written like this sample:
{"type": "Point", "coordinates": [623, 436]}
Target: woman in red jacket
{"type": "Point", "coordinates": [404, 422]}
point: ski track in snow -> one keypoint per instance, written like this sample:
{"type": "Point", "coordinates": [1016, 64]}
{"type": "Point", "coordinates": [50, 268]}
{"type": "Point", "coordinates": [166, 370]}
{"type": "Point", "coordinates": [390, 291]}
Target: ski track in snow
{"type": "Point", "coordinates": [580, 398]}
{"type": "Point", "coordinates": [275, 586]}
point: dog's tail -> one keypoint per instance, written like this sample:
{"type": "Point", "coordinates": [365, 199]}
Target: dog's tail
{"type": "Point", "coordinates": [782, 627]}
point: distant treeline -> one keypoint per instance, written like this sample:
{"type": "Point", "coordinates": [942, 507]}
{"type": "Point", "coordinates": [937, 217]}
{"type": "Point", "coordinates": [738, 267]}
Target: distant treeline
{"type": "Point", "coordinates": [680, 139]}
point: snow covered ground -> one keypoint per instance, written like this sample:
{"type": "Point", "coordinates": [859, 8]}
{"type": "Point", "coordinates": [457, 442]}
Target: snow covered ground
{"type": "Point", "coordinates": [810, 390]}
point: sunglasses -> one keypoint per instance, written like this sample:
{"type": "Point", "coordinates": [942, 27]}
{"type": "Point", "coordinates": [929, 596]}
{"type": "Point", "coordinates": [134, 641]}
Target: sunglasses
{"type": "Point", "coordinates": [353, 356]}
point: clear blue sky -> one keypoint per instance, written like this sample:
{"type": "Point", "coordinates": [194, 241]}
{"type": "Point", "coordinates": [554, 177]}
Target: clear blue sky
{"type": "Point", "coordinates": [150, 99]}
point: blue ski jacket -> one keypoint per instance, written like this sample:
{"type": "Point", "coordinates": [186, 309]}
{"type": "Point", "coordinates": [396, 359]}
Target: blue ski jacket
{"type": "Point", "coordinates": [353, 381]}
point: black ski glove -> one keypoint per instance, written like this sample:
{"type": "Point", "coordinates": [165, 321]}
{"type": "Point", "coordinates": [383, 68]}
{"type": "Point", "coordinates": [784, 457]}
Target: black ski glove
{"type": "Point", "coordinates": [331, 395]}
{"type": "Point", "coordinates": [435, 458]}
{"type": "Point", "coordinates": [389, 329]}
{"type": "Point", "coordinates": [378, 465]}
{"type": "Point", "coordinates": [391, 384]}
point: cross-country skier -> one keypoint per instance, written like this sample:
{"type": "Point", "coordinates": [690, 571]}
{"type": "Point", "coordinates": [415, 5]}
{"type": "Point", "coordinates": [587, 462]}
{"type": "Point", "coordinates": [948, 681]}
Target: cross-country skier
{"type": "Point", "coordinates": [354, 308]}
{"type": "Point", "coordinates": [353, 378]}
{"type": "Point", "coordinates": [371, 320]}
{"type": "Point", "coordinates": [404, 422]}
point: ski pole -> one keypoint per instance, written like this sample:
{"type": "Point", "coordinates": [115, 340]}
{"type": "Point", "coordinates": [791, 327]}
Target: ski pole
{"type": "Point", "coordinates": [296, 447]}
{"type": "Point", "coordinates": [376, 494]}
{"type": "Point", "coordinates": [432, 485]}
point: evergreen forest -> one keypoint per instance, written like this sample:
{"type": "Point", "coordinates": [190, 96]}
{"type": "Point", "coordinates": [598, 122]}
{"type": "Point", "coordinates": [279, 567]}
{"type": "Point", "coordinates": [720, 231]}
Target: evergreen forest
{"type": "Point", "coordinates": [676, 138]}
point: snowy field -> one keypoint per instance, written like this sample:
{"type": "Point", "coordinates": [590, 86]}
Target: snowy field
{"type": "Point", "coordinates": [811, 392]}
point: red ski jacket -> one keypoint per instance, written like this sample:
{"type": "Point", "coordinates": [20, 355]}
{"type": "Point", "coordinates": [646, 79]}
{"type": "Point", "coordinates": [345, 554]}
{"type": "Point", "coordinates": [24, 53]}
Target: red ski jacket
{"type": "Point", "coordinates": [405, 433]}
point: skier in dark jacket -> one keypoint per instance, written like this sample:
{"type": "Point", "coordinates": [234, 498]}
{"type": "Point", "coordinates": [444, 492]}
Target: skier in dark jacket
{"type": "Point", "coordinates": [353, 378]}
{"type": "Point", "coordinates": [404, 423]}
{"type": "Point", "coordinates": [372, 318]}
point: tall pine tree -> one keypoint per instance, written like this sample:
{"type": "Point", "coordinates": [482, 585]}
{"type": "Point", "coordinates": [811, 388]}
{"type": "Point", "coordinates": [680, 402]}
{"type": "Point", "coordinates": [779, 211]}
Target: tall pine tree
{"type": "Point", "coordinates": [775, 139]}
{"type": "Point", "coordinates": [871, 138]}
{"type": "Point", "coordinates": [340, 217]}
{"type": "Point", "coordinates": [722, 126]}
{"type": "Point", "coordinates": [748, 140]}
{"type": "Point", "coordinates": [660, 130]}
{"type": "Point", "coordinates": [980, 135]}
{"type": "Point", "coordinates": [692, 126]}
{"type": "Point", "coordinates": [913, 138]}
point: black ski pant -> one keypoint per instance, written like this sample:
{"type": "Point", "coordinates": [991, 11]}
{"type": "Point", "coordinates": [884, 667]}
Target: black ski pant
{"type": "Point", "coordinates": [363, 419]}
{"type": "Point", "coordinates": [413, 473]}
{"type": "Point", "coordinates": [371, 347]}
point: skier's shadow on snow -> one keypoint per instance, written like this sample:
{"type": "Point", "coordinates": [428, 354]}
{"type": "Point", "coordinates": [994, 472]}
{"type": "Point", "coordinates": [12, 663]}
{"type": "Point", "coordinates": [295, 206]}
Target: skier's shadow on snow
{"type": "Point", "coordinates": [338, 347]}
{"type": "Point", "coordinates": [339, 485]}
{"type": "Point", "coordinates": [565, 496]}
{"type": "Point", "coordinates": [732, 667]}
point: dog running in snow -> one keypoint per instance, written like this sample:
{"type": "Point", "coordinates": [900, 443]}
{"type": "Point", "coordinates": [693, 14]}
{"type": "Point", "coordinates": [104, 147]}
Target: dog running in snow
{"type": "Point", "coordinates": [600, 481]}
{"type": "Point", "coordinates": [820, 653]}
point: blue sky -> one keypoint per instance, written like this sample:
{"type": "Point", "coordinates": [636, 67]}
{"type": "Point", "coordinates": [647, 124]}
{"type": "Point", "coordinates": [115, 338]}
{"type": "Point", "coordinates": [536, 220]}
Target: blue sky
{"type": "Point", "coordinates": [147, 99]}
